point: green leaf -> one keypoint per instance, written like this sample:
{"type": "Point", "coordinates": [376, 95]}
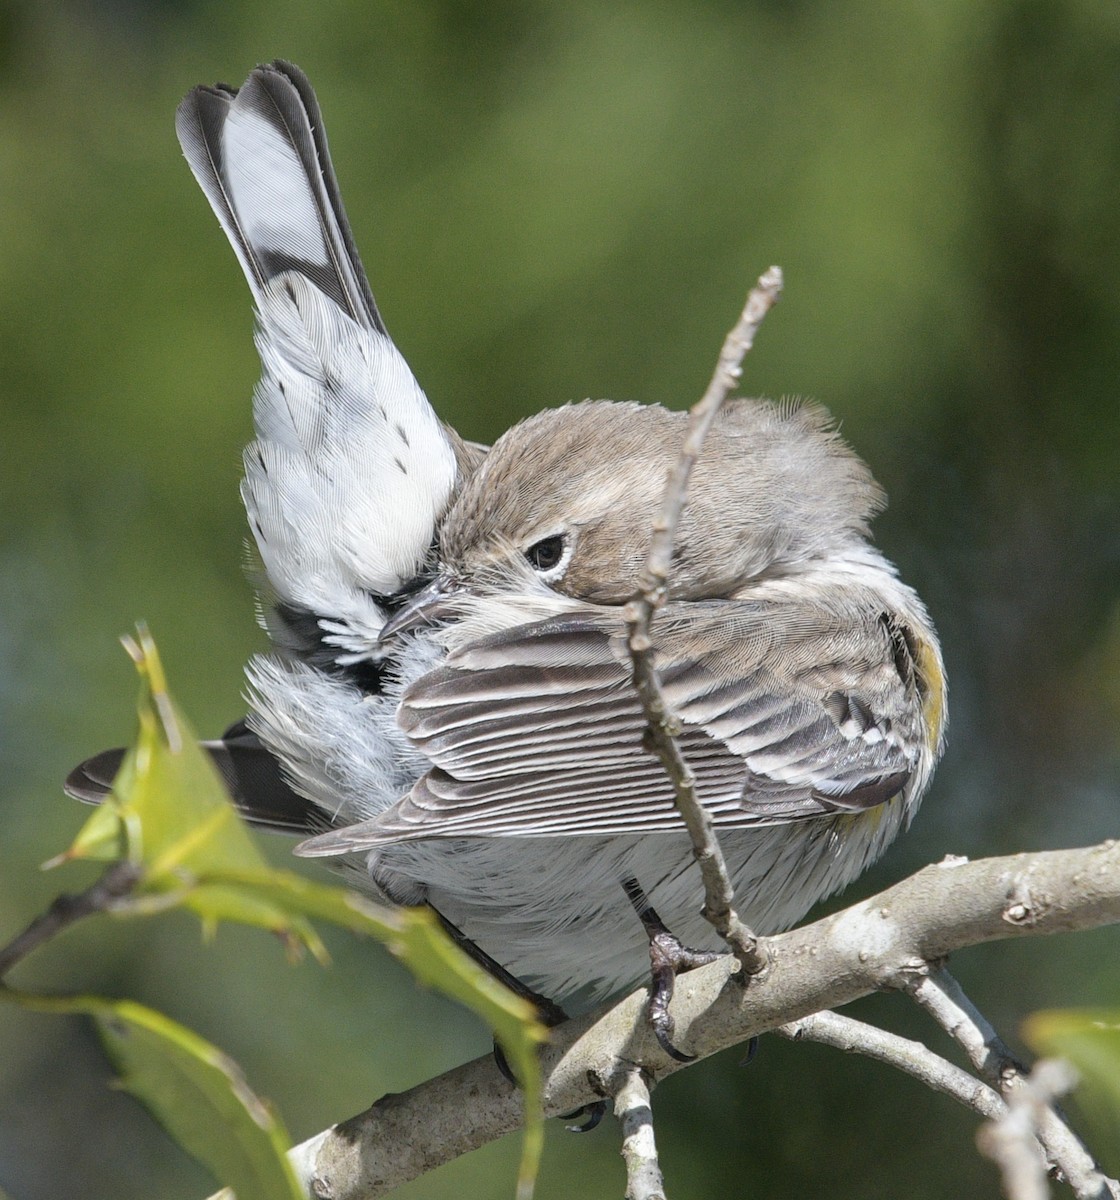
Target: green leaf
{"type": "Point", "coordinates": [101, 838]}
{"type": "Point", "coordinates": [196, 1093]}
{"type": "Point", "coordinates": [415, 936]}
{"type": "Point", "coordinates": [1090, 1039]}
{"type": "Point", "coordinates": [170, 813]}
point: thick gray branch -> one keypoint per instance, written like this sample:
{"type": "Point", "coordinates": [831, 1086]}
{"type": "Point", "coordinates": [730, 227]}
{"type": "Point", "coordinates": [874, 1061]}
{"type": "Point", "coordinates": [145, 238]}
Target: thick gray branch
{"type": "Point", "coordinates": [881, 943]}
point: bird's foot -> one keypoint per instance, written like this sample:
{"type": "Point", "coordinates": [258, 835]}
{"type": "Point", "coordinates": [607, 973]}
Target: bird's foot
{"type": "Point", "coordinates": [668, 958]}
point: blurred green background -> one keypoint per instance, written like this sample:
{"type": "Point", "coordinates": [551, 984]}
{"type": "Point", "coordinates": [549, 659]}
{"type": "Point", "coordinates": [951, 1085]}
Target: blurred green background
{"type": "Point", "coordinates": [553, 201]}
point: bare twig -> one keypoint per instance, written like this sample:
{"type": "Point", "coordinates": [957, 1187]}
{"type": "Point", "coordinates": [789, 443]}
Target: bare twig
{"type": "Point", "coordinates": [913, 1058]}
{"type": "Point", "coordinates": [639, 1149]}
{"type": "Point", "coordinates": [718, 892]}
{"type": "Point", "coordinates": [1010, 1136]}
{"type": "Point", "coordinates": [117, 881]}
{"type": "Point", "coordinates": [943, 998]}
{"type": "Point", "coordinates": [1011, 1140]}
{"type": "Point", "coordinates": [874, 945]}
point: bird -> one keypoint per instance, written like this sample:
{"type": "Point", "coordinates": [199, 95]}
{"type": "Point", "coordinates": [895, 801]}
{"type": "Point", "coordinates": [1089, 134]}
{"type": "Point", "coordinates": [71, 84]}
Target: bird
{"type": "Point", "coordinates": [447, 711]}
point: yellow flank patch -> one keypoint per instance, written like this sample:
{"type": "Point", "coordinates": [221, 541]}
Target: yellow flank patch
{"type": "Point", "coordinates": [931, 682]}
{"type": "Point", "coordinates": [870, 818]}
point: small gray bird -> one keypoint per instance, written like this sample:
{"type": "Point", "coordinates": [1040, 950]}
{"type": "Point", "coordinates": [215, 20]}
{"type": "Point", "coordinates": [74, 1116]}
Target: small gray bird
{"type": "Point", "coordinates": [449, 706]}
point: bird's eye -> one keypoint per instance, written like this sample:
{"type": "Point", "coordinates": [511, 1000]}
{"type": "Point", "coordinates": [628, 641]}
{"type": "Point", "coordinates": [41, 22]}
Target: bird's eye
{"type": "Point", "coordinates": [549, 556]}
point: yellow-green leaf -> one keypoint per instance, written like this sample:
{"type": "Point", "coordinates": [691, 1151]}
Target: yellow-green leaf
{"type": "Point", "coordinates": [196, 1093]}
{"type": "Point", "coordinates": [170, 813]}
{"type": "Point", "coordinates": [1090, 1039]}
{"type": "Point", "coordinates": [415, 936]}
{"type": "Point", "coordinates": [101, 838]}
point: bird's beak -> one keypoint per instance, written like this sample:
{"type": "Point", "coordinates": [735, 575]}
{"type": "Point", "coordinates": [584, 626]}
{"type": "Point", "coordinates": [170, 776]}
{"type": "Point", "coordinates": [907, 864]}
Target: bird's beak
{"type": "Point", "coordinates": [422, 608]}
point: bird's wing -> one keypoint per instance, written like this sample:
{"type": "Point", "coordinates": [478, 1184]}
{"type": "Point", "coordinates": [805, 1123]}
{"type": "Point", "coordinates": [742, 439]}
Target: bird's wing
{"type": "Point", "coordinates": [788, 713]}
{"type": "Point", "coordinates": [351, 467]}
{"type": "Point", "coordinates": [251, 774]}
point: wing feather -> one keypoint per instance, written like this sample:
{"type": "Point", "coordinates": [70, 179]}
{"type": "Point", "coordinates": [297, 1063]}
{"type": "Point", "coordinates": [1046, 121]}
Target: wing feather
{"type": "Point", "coordinates": [537, 731]}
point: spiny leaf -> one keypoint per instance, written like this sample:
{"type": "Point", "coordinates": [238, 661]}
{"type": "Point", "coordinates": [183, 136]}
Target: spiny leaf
{"type": "Point", "coordinates": [169, 813]}
{"type": "Point", "coordinates": [196, 1092]}
{"type": "Point", "coordinates": [415, 936]}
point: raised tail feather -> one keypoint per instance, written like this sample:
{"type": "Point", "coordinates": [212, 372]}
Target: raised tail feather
{"type": "Point", "coordinates": [351, 467]}
{"type": "Point", "coordinates": [260, 155]}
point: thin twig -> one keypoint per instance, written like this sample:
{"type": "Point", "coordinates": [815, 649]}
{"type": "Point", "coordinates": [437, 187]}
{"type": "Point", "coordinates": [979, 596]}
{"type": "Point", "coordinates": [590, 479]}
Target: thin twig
{"type": "Point", "coordinates": [639, 1149]}
{"type": "Point", "coordinates": [944, 999]}
{"type": "Point", "coordinates": [718, 892]}
{"type": "Point", "coordinates": [1011, 1141]}
{"type": "Point", "coordinates": [904, 1054]}
{"type": "Point", "coordinates": [117, 881]}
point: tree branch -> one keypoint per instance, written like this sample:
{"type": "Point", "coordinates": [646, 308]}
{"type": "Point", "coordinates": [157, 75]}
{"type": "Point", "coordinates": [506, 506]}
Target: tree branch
{"type": "Point", "coordinates": [944, 999]}
{"type": "Point", "coordinates": [116, 882]}
{"type": "Point", "coordinates": [639, 1149]}
{"type": "Point", "coordinates": [1011, 1141]}
{"type": "Point", "coordinates": [904, 1054]}
{"type": "Point", "coordinates": [883, 943]}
